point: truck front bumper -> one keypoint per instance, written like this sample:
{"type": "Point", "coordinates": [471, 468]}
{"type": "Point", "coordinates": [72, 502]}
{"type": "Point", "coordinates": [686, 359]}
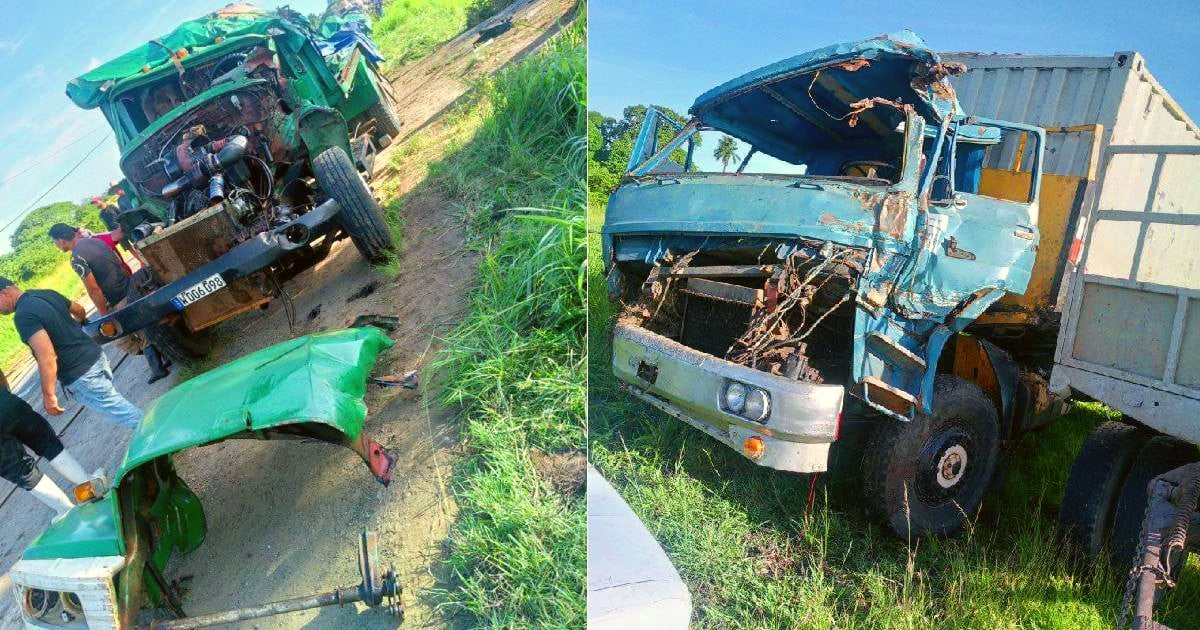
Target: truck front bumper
{"type": "Point", "coordinates": [688, 385]}
{"type": "Point", "coordinates": [243, 260]}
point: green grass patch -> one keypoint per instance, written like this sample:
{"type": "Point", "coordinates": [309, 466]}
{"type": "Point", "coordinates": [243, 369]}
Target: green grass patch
{"type": "Point", "coordinates": [515, 364]}
{"type": "Point", "coordinates": [754, 554]}
{"type": "Point", "coordinates": [411, 29]}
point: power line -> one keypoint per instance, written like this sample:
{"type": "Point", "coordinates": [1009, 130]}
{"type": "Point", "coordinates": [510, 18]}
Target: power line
{"type": "Point", "coordinates": [55, 184]}
{"type": "Point", "coordinates": [47, 158]}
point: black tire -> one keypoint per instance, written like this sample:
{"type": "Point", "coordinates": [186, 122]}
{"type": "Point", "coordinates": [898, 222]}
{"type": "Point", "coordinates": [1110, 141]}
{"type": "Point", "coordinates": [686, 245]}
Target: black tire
{"type": "Point", "coordinates": [1159, 455]}
{"type": "Point", "coordinates": [173, 339]}
{"type": "Point", "coordinates": [360, 215]}
{"type": "Point", "coordinates": [1099, 471]}
{"type": "Point", "coordinates": [927, 476]}
{"type": "Point", "coordinates": [387, 124]}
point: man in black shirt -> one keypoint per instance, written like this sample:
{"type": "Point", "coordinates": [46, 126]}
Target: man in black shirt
{"type": "Point", "coordinates": [108, 212]}
{"type": "Point", "coordinates": [49, 324]}
{"type": "Point", "coordinates": [21, 427]}
{"type": "Point", "coordinates": [107, 282]}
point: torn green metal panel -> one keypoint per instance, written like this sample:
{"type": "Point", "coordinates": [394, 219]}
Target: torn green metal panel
{"type": "Point", "coordinates": [317, 378]}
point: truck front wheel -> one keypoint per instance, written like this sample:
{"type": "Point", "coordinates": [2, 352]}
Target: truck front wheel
{"type": "Point", "coordinates": [928, 476]}
{"type": "Point", "coordinates": [360, 215]}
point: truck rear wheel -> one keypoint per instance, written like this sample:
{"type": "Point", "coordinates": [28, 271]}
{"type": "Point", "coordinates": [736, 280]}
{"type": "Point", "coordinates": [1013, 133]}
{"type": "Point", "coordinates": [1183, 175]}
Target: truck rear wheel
{"type": "Point", "coordinates": [1085, 514]}
{"type": "Point", "coordinates": [928, 476]}
{"type": "Point", "coordinates": [360, 215]}
{"type": "Point", "coordinates": [173, 339]}
{"type": "Point", "coordinates": [1159, 455]}
{"type": "Point", "coordinates": [386, 121]}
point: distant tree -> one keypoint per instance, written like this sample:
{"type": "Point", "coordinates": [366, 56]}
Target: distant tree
{"type": "Point", "coordinates": [33, 254]}
{"type": "Point", "coordinates": [726, 152]}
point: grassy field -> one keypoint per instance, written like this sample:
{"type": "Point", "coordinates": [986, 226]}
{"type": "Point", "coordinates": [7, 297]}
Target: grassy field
{"type": "Point", "coordinates": [411, 29]}
{"type": "Point", "coordinates": [754, 555]}
{"type": "Point", "coordinates": [515, 365]}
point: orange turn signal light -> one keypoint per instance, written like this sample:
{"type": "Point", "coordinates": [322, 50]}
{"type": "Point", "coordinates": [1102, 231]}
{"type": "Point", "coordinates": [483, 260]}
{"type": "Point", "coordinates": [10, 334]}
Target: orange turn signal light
{"type": "Point", "coordinates": [85, 492]}
{"type": "Point", "coordinates": [754, 447]}
{"type": "Point", "coordinates": [109, 329]}
{"type": "Point", "coordinates": [218, 39]}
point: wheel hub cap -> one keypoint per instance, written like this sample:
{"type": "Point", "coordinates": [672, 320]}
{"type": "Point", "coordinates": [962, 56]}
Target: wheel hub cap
{"type": "Point", "coordinates": [952, 466]}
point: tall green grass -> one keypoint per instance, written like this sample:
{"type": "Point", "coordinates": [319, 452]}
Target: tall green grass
{"type": "Point", "coordinates": [516, 363]}
{"type": "Point", "coordinates": [754, 555]}
{"type": "Point", "coordinates": [411, 29]}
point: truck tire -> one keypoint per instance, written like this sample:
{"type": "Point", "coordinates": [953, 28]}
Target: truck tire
{"type": "Point", "coordinates": [1099, 471]}
{"type": "Point", "coordinates": [1159, 455]}
{"type": "Point", "coordinates": [360, 215]}
{"type": "Point", "coordinates": [928, 476]}
{"type": "Point", "coordinates": [174, 340]}
{"type": "Point", "coordinates": [386, 122]}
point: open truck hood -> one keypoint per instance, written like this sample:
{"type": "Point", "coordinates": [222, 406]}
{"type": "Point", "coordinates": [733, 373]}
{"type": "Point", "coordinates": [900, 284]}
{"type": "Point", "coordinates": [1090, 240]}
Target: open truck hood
{"type": "Point", "coordinates": [318, 378]}
{"type": "Point", "coordinates": [770, 108]}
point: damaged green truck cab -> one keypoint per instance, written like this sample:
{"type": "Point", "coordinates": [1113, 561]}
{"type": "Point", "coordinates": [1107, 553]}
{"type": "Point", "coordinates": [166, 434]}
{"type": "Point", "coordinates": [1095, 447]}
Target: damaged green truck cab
{"type": "Point", "coordinates": [780, 312]}
{"type": "Point", "coordinates": [105, 558]}
{"type": "Point", "coordinates": [246, 143]}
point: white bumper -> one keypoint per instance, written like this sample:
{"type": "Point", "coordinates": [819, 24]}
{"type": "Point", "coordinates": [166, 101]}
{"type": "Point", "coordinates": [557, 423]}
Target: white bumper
{"type": "Point", "coordinates": [91, 579]}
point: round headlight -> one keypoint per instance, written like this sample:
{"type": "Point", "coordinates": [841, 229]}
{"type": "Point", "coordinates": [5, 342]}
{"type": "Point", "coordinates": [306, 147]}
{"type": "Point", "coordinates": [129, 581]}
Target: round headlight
{"type": "Point", "coordinates": [38, 602]}
{"type": "Point", "coordinates": [735, 397]}
{"type": "Point", "coordinates": [758, 405]}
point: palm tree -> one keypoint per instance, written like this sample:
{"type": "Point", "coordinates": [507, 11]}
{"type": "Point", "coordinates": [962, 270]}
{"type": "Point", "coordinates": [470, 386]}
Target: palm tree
{"type": "Point", "coordinates": [726, 152]}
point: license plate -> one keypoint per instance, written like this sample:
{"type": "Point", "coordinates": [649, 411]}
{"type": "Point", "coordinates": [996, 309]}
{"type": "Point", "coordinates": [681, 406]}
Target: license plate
{"type": "Point", "coordinates": [198, 291]}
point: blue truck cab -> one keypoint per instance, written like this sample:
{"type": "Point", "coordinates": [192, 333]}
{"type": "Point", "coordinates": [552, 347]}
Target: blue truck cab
{"type": "Point", "coordinates": [826, 285]}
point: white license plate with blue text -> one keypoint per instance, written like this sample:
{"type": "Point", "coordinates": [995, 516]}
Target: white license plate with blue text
{"type": "Point", "coordinates": [199, 291]}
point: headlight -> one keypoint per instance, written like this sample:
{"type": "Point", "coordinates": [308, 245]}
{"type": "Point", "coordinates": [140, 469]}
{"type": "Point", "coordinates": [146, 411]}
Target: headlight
{"type": "Point", "coordinates": [749, 402]}
{"type": "Point", "coordinates": [735, 397]}
{"type": "Point", "coordinates": [38, 602]}
{"type": "Point", "coordinates": [758, 405]}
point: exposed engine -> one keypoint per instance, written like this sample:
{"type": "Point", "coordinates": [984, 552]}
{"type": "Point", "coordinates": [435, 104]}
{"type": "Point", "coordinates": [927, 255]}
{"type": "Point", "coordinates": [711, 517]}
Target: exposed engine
{"type": "Point", "coordinates": [226, 149]}
{"type": "Point", "coordinates": [789, 314]}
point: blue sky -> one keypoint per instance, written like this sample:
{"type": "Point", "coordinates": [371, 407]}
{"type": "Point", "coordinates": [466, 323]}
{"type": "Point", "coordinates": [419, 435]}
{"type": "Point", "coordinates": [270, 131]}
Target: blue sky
{"type": "Point", "coordinates": [52, 43]}
{"type": "Point", "coordinates": [668, 53]}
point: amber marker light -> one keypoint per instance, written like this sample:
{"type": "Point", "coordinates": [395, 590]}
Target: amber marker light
{"type": "Point", "coordinates": [754, 447]}
{"type": "Point", "coordinates": [85, 492]}
{"type": "Point", "coordinates": [108, 329]}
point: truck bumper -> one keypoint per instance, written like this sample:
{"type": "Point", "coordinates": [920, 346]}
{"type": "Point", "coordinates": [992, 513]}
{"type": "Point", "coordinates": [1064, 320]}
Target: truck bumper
{"type": "Point", "coordinates": [688, 385]}
{"type": "Point", "coordinates": [244, 259]}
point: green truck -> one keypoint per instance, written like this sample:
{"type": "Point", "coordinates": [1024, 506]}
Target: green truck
{"type": "Point", "coordinates": [246, 141]}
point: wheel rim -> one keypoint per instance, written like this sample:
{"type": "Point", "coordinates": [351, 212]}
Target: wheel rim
{"type": "Point", "coordinates": [946, 466]}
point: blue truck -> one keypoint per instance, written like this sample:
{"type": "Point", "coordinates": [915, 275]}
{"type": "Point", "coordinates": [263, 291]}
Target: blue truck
{"type": "Point", "coordinates": [827, 297]}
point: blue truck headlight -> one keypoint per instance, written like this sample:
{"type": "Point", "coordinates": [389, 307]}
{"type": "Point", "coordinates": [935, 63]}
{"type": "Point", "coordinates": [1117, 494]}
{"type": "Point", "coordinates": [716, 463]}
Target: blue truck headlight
{"type": "Point", "coordinates": [735, 397]}
{"type": "Point", "coordinates": [746, 401]}
{"type": "Point", "coordinates": [758, 405]}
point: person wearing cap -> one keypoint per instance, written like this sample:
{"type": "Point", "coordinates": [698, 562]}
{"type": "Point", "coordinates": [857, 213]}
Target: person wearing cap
{"type": "Point", "coordinates": [23, 428]}
{"type": "Point", "coordinates": [107, 280]}
{"type": "Point", "coordinates": [49, 323]}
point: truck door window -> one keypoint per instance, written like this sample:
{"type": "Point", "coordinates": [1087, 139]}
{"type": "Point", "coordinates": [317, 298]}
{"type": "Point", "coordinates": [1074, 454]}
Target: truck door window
{"type": "Point", "coordinates": [1006, 169]}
